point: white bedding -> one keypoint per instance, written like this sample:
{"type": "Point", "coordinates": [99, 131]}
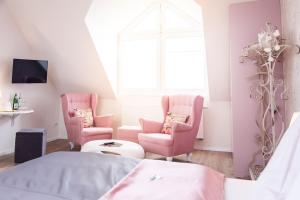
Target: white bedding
{"type": "Point", "coordinates": [280, 180]}
{"type": "Point", "coordinates": [237, 189]}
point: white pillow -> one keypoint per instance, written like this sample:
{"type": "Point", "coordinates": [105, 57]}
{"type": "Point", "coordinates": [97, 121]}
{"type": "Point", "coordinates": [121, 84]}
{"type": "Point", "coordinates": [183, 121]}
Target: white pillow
{"type": "Point", "coordinates": [278, 180]}
{"type": "Point", "coordinates": [294, 191]}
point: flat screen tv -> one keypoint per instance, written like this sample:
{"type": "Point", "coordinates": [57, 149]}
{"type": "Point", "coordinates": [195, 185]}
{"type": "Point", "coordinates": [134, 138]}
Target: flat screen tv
{"type": "Point", "coordinates": [29, 71]}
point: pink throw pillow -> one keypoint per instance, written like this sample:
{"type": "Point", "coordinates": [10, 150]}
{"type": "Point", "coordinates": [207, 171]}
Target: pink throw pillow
{"type": "Point", "coordinates": [170, 118]}
{"type": "Point", "coordinates": [87, 114]}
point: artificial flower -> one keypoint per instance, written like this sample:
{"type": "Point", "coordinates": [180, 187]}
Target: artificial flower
{"type": "Point", "coordinates": [277, 47]}
{"type": "Point", "coordinates": [276, 33]}
{"type": "Point", "coordinates": [267, 50]}
{"type": "Point", "coordinates": [268, 47]}
{"type": "Point", "coordinates": [268, 38]}
{"type": "Point", "coordinates": [270, 59]}
{"type": "Point", "coordinates": [260, 37]}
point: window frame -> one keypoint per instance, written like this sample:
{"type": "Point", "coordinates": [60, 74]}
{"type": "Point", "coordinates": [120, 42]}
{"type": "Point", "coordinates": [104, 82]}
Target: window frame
{"type": "Point", "coordinates": [163, 35]}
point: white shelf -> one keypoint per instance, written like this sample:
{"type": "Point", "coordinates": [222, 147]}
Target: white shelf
{"type": "Point", "coordinates": [12, 114]}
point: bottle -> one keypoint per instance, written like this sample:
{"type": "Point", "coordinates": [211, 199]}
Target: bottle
{"type": "Point", "coordinates": [20, 101]}
{"type": "Point", "coordinates": [15, 102]}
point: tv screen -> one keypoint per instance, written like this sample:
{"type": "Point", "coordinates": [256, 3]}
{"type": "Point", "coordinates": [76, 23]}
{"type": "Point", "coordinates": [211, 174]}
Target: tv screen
{"type": "Point", "coordinates": [29, 71]}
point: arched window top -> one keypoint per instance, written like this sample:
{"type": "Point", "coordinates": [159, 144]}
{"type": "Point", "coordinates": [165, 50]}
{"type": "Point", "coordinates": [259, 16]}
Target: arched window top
{"type": "Point", "coordinates": [164, 17]}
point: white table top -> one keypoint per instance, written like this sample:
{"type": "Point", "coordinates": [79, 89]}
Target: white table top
{"type": "Point", "coordinates": [15, 112]}
{"type": "Point", "coordinates": [126, 148]}
{"type": "Point", "coordinates": [12, 114]}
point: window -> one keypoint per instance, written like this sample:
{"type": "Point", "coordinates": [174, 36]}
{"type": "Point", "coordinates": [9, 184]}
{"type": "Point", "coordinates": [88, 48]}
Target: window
{"type": "Point", "coordinates": [162, 49]}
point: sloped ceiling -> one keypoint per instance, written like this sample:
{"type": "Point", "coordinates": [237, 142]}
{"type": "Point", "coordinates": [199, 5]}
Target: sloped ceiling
{"type": "Point", "coordinates": [56, 30]}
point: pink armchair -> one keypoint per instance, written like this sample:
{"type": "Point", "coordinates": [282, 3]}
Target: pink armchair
{"type": "Point", "coordinates": [183, 135]}
{"type": "Point", "coordinates": [77, 134]}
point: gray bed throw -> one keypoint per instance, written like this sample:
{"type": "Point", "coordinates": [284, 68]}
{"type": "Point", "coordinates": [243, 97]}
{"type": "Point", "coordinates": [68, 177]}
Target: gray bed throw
{"type": "Point", "coordinates": [64, 175]}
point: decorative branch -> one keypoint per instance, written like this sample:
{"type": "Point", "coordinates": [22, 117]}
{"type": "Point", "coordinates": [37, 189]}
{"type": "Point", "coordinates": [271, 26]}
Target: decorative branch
{"type": "Point", "coordinates": [264, 54]}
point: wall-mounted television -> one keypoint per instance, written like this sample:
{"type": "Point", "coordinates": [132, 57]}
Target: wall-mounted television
{"type": "Point", "coordinates": [29, 71]}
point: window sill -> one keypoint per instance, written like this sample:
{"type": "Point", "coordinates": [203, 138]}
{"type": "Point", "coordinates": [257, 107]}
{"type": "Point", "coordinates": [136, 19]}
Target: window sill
{"type": "Point", "coordinates": [155, 94]}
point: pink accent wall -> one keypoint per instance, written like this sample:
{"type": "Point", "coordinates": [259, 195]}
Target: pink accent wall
{"type": "Point", "coordinates": [246, 20]}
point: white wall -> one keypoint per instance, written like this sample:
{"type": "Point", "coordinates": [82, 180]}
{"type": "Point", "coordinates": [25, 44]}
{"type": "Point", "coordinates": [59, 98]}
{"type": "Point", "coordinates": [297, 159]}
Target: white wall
{"type": "Point", "coordinates": [40, 97]}
{"type": "Point", "coordinates": [291, 32]}
{"type": "Point", "coordinates": [55, 29]}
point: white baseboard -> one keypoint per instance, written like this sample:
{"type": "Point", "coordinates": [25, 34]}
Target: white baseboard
{"type": "Point", "coordinates": [54, 138]}
{"type": "Point", "coordinates": [6, 152]}
{"type": "Point", "coordinates": [220, 149]}
{"type": "Point", "coordinates": [62, 137]}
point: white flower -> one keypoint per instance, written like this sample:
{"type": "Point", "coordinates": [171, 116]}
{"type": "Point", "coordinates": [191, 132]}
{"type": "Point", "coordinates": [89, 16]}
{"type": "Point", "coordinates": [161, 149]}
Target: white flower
{"type": "Point", "coordinates": [267, 50]}
{"type": "Point", "coordinates": [277, 47]}
{"type": "Point", "coordinates": [276, 33]}
{"type": "Point", "coordinates": [268, 38]}
{"type": "Point", "coordinates": [260, 37]}
{"type": "Point", "coordinates": [270, 59]}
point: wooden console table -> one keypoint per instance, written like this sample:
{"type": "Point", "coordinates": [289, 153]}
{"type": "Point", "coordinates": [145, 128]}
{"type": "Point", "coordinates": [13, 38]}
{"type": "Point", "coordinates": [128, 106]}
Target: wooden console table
{"type": "Point", "coordinates": [12, 114]}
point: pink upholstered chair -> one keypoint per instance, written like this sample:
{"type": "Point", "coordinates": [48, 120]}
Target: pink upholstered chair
{"type": "Point", "coordinates": [77, 134]}
{"type": "Point", "coordinates": [183, 135]}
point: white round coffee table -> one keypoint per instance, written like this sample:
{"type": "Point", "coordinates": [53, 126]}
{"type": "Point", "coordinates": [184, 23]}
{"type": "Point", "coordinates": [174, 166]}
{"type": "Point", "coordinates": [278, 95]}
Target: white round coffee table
{"type": "Point", "coordinates": [119, 147]}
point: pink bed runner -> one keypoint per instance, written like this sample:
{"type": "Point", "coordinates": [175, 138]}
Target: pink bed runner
{"type": "Point", "coordinates": [161, 180]}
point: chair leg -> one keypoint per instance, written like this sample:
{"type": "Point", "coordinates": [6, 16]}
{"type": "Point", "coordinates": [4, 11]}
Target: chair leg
{"type": "Point", "coordinates": [170, 159]}
{"type": "Point", "coordinates": [189, 157]}
{"type": "Point", "coordinates": [71, 145]}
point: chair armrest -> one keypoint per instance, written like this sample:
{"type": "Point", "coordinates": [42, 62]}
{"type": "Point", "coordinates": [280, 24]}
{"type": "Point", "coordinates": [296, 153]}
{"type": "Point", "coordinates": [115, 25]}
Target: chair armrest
{"type": "Point", "coordinates": [76, 126]}
{"type": "Point", "coordinates": [104, 121]}
{"type": "Point", "coordinates": [150, 126]}
{"type": "Point", "coordinates": [180, 127]}
{"type": "Point", "coordinates": [76, 121]}
{"type": "Point", "coordinates": [182, 135]}
{"type": "Point", "coordinates": [180, 130]}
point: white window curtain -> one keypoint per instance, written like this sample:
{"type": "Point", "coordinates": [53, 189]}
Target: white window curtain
{"type": "Point", "coordinates": [163, 49]}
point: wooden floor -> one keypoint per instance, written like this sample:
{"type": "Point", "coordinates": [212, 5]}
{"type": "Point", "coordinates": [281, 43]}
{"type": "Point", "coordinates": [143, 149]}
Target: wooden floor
{"type": "Point", "coordinates": [219, 161]}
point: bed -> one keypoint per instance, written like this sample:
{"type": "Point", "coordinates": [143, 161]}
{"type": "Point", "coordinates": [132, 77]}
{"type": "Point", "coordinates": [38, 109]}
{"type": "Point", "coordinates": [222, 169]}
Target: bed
{"type": "Point", "coordinates": [238, 189]}
{"type": "Point", "coordinates": [91, 176]}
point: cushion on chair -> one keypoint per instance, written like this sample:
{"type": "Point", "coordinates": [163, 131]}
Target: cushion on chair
{"type": "Point", "coordinates": [156, 138]}
{"type": "Point", "coordinates": [96, 131]}
{"type": "Point", "coordinates": [170, 118]}
{"type": "Point", "coordinates": [87, 114]}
